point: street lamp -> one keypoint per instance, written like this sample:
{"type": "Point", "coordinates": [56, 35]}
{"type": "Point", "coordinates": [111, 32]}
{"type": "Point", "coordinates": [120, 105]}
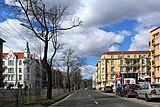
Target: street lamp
{"type": "Point", "coordinates": [119, 44]}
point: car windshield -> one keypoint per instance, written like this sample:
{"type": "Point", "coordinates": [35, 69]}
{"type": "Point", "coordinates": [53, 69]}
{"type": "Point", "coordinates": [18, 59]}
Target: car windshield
{"type": "Point", "coordinates": [134, 86]}
{"type": "Point", "coordinates": [155, 85]}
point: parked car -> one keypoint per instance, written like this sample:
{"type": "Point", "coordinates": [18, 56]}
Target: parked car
{"type": "Point", "coordinates": [108, 89]}
{"type": "Point", "coordinates": [119, 89]}
{"type": "Point", "coordinates": [130, 90]}
{"type": "Point", "coordinates": [149, 91]}
{"type": "Point", "coordinates": [102, 89]}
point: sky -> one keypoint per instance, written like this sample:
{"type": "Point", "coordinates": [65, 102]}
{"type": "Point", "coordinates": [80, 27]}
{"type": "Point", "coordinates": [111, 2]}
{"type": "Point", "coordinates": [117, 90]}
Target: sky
{"type": "Point", "coordinates": [127, 22]}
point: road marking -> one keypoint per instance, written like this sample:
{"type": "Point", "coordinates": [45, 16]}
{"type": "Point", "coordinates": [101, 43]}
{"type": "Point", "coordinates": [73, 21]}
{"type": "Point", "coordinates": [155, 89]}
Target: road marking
{"type": "Point", "coordinates": [96, 102]}
{"type": "Point", "coordinates": [92, 98]}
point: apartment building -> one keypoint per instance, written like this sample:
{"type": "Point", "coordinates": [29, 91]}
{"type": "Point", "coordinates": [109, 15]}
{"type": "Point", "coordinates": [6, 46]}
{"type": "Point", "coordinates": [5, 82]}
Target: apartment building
{"type": "Point", "coordinates": [22, 69]}
{"type": "Point", "coordinates": [94, 75]}
{"type": "Point", "coordinates": [57, 78]}
{"type": "Point", "coordinates": [113, 62]}
{"type": "Point", "coordinates": [154, 44]}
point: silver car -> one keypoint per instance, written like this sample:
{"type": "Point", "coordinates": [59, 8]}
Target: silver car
{"type": "Point", "coordinates": [149, 91]}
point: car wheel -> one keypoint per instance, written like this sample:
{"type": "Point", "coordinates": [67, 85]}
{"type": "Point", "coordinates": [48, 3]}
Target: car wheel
{"type": "Point", "coordinates": [127, 96]}
{"type": "Point", "coordinates": [146, 98]}
{"type": "Point", "coordinates": [137, 96]}
{"type": "Point", "coordinates": [121, 95]}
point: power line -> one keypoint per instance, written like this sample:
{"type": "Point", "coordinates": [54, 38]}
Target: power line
{"type": "Point", "coordinates": [16, 32]}
{"type": "Point", "coordinates": [14, 43]}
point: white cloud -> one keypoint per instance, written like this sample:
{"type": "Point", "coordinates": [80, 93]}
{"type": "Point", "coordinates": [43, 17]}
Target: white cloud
{"type": "Point", "coordinates": [105, 12]}
{"type": "Point", "coordinates": [140, 40]}
{"type": "Point", "coordinates": [113, 48]}
{"type": "Point", "coordinates": [92, 41]}
{"type": "Point", "coordinates": [88, 71]}
{"type": "Point", "coordinates": [149, 20]}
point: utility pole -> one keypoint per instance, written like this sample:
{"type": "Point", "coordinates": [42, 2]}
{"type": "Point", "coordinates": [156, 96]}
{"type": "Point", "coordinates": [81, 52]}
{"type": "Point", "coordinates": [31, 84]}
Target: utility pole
{"type": "Point", "coordinates": [121, 62]}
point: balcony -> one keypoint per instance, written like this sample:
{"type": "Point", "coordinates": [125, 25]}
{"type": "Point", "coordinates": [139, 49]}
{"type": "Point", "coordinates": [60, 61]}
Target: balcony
{"type": "Point", "coordinates": [112, 65]}
{"type": "Point", "coordinates": [135, 65]}
{"type": "Point", "coordinates": [153, 43]}
{"type": "Point", "coordinates": [112, 72]}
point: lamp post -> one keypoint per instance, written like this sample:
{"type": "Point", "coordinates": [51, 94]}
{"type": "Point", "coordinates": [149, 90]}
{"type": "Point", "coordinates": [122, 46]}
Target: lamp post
{"type": "Point", "coordinates": [119, 44]}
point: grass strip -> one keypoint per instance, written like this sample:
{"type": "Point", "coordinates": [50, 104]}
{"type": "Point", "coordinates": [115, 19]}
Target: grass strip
{"type": "Point", "coordinates": [45, 102]}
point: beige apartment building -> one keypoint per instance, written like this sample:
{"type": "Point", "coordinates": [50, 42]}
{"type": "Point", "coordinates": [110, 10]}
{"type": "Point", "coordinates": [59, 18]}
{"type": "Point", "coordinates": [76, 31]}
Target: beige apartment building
{"type": "Point", "coordinates": [154, 44]}
{"type": "Point", "coordinates": [125, 62]}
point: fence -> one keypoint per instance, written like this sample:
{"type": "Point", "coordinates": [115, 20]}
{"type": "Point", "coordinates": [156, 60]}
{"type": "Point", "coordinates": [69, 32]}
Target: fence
{"type": "Point", "coordinates": [14, 97]}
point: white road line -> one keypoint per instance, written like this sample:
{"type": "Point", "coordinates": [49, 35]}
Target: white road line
{"type": "Point", "coordinates": [92, 98]}
{"type": "Point", "coordinates": [96, 102]}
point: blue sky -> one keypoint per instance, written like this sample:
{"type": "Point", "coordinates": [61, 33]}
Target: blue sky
{"type": "Point", "coordinates": [104, 22]}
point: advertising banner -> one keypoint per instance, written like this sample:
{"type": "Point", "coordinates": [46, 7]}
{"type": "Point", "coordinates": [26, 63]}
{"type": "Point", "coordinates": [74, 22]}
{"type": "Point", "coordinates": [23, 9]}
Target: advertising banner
{"type": "Point", "coordinates": [129, 81]}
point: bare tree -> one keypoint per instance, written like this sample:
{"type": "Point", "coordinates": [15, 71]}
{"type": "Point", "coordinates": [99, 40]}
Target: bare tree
{"type": "Point", "coordinates": [72, 63]}
{"type": "Point", "coordinates": [76, 79]}
{"type": "Point", "coordinates": [45, 23]}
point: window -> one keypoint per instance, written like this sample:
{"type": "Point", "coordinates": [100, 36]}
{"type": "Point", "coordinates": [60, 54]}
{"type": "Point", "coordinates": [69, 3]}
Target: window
{"type": "Point", "coordinates": [157, 80]}
{"type": "Point", "coordinates": [128, 69]}
{"type": "Point", "coordinates": [121, 62]}
{"type": "Point", "coordinates": [8, 77]}
{"type": "Point", "coordinates": [157, 46]}
{"type": "Point", "coordinates": [119, 56]}
{"type": "Point", "coordinates": [155, 85]}
{"type": "Point", "coordinates": [102, 62]}
{"type": "Point", "coordinates": [28, 77]}
{"type": "Point", "coordinates": [20, 77]}
{"type": "Point", "coordinates": [157, 35]}
{"type": "Point", "coordinates": [10, 62]}
{"type": "Point", "coordinates": [103, 77]}
{"type": "Point", "coordinates": [157, 58]}
{"type": "Point", "coordinates": [102, 70]}
{"type": "Point", "coordinates": [112, 77]}
{"type": "Point", "coordinates": [12, 77]}
{"type": "Point", "coordinates": [135, 56]}
{"type": "Point", "coordinates": [121, 69]}
{"type": "Point", "coordinates": [134, 69]}
{"type": "Point", "coordinates": [112, 69]}
{"type": "Point", "coordinates": [10, 70]}
{"type": "Point", "coordinates": [157, 69]}
{"type": "Point", "coordinates": [20, 62]}
{"type": "Point", "coordinates": [143, 69]}
{"type": "Point", "coordinates": [143, 61]}
{"type": "Point", "coordinates": [112, 62]}
{"type": "Point", "coordinates": [20, 70]}
{"type": "Point", "coordinates": [128, 56]}
{"type": "Point", "coordinates": [112, 56]}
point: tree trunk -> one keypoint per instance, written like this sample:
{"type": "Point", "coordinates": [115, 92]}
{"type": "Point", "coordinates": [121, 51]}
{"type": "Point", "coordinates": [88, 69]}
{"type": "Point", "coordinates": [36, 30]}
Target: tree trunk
{"type": "Point", "coordinates": [48, 69]}
{"type": "Point", "coordinates": [49, 85]}
{"type": "Point", "coordinates": [69, 84]}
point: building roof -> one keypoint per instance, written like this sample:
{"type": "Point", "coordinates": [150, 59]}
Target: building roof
{"type": "Point", "coordinates": [154, 29]}
{"type": "Point", "coordinates": [20, 55]}
{"type": "Point", "coordinates": [1, 40]}
{"type": "Point", "coordinates": [126, 52]}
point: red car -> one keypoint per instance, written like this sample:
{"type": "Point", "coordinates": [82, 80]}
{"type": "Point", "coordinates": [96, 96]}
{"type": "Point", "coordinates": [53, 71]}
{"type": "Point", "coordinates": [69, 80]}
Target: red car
{"type": "Point", "coordinates": [108, 89]}
{"type": "Point", "coordinates": [130, 90]}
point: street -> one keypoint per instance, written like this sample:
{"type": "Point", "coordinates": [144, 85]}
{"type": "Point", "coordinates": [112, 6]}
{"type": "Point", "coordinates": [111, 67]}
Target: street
{"type": "Point", "coordinates": [93, 98]}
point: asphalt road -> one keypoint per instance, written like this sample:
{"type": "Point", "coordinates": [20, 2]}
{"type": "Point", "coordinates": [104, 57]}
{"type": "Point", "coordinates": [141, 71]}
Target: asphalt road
{"type": "Point", "coordinates": [91, 98]}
